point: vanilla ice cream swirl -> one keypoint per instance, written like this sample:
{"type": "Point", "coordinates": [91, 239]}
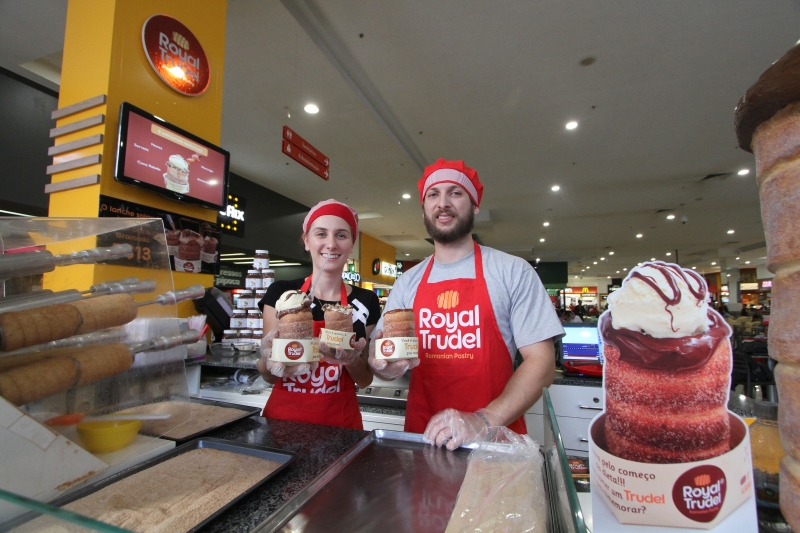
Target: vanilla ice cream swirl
{"type": "Point", "coordinates": [661, 300]}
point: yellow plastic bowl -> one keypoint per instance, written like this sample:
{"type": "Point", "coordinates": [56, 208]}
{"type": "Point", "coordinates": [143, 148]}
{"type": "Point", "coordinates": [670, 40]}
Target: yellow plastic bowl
{"type": "Point", "coordinates": [104, 437]}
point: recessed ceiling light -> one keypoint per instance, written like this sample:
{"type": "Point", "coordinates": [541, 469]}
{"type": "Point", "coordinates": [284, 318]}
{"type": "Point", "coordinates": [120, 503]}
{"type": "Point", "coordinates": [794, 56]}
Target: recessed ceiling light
{"type": "Point", "coordinates": [730, 231]}
{"type": "Point", "coordinates": [571, 125]}
{"type": "Point", "coordinates": [609, 277]}
{"type": "Point", "coordinates": [602, 259]}
{"type": "Point", "coordinates": [541, 240]}
{"type": "Point", "coordinates": [638, 235]}
{"type": "Point", "coordinates": [594, 263]}
{"type": "Point", "coordinates": [744, 172]}
{"type": "Point", "coordinates": [546, 224]}
{"type": "Point", "coordinates": [610, 253]}
{"type": "Point", "coordinates": [670, 217]}
{"type": "Point", "coordinates": [407, 255]}
{"type": "Point", "coordinates": [555, 188]}
{"type": "Point", "coordinates": [747, 262]}
{"type": "Point", "coordinates": [406, 196]}
{"type": "Point", "coordinates": [713, 263]}
{"type": "Point", "coordinates": [694, 268]}
{"type": "Point", "coordinates": [311, 109]}
{"type": "Point", "coordinates": [652, 259]}
{"type": "Point", "coordinates": [625, 269]}
{"type": "Point", "coordinates": [576, 277]}
{"type": "Point", "coordinates": [669, 253]}
{"type": "Point", "coordinates": [583, 270]}
{"type": "Point", "coordinates": [538, 259]}
{"type": "Point", "coordinates": [737, 258]}
{"type": "Point", "coordinates": [617, 271]}
{"type": "Point", "coordinates": [588, 267]}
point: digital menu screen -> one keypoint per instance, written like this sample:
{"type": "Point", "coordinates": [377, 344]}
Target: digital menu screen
{"type": "Point", "coordinates": [158, 156]}
{"type": "Point", "coordinates": [581, 342]}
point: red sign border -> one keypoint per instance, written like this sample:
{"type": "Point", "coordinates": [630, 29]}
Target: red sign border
{"type": "Point", "coordinates": [291, 155]}
{"type": "Point", "coordinates": [326, 163]}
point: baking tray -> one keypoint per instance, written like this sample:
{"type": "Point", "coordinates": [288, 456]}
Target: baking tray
{"type": "Point", "coordinates": [247, 410]}
{"type": "Point", "coordinates": [390, 481]}
{"type": "Point", "coordinates": [284, 457]}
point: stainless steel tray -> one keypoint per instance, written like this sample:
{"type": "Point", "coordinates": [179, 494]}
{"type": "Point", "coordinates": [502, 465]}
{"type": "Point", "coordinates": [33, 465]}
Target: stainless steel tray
{"type": "Point", "coordinates": [280, 456]}
{"type": "Point", "coordinates": [389, 482]}
{"type": "Point", "coordinates": [246, 410]}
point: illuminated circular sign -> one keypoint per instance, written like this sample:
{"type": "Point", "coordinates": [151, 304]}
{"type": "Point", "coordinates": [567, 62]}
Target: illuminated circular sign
{"type": "Point", "coordinates": [176, 55]}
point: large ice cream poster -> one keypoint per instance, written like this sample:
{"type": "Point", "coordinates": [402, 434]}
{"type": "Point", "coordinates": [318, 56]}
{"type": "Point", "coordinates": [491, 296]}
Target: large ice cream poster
{"type": "Point", "coordinates": [160, 157]}
{"type": "Point", "coordinates": [666, 451]}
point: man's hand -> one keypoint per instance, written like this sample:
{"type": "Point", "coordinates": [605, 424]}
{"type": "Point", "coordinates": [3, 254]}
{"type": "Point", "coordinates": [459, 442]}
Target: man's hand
{"type": "Point", "coordinates": [454, 428]}
{"type": "Point", "coordinates": [388, 370]}
{"type": "Point", "coordinates": [338, 356]}
{"type": "Point", "coordinates": [279, 369]}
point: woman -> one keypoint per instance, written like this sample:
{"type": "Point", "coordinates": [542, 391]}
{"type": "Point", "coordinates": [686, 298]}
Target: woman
{"type": "Point", "coordinates": [322, 393]}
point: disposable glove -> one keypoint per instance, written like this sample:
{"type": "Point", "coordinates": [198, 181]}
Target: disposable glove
{"type": "Point", "coordinates": [282, 370]}
{"type": "Point", "coordinates": [338, 356]}
{"type": "Point", "coordinates": [454, 428]}
{"type": "Point", "coordinates": [388, 370]}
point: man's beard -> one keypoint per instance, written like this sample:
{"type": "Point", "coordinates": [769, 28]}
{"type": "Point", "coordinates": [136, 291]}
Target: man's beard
{"type": "Point", "coordinates": [462, 227]}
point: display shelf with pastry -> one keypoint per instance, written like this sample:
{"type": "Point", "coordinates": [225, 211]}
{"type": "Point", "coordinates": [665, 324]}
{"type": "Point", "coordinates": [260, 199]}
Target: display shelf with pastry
{"type": "Point", "coordinates": [84, 340]}
{"type": "Point", "coordinates": [767, 122]}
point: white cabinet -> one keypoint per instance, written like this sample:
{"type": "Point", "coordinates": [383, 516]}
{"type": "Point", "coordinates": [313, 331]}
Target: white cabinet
{"type": "Point", "coordinates": [380, 421]}
{"type": "Point", "coordinates": [575, 406]}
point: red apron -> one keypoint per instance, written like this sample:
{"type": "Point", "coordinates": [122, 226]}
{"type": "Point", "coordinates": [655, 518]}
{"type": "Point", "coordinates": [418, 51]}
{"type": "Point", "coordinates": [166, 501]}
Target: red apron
{"type": "Point", "coordinates": [326, 396]}
{"type": "Point", "coordinates": [464, 361]}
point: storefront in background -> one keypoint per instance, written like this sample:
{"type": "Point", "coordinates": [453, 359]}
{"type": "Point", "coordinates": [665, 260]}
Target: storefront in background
{"type": "Point", "coordinates": [588, 295]}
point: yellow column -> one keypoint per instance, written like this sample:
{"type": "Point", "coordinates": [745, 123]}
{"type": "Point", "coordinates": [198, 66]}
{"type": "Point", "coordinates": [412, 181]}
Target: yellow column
{"type": "Point", "coordinates": [103, 55]}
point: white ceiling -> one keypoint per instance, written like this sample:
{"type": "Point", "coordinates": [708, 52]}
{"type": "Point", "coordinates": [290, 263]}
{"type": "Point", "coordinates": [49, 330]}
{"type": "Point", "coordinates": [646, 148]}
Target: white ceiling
{"type": "Point", "coordinates": [494, 83]}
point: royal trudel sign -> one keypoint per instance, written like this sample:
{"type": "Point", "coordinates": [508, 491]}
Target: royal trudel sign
{"type": "Point", "coordinates": [176, 55]}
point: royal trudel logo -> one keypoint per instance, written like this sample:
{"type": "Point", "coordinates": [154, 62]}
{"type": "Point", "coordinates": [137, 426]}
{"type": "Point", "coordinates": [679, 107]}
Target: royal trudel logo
{"type": "Point", "coordinates": [176, 55]}
{"type": "Point", "coordinates": [700, 492]}
{"type": "Point", "coordinates": [452, 330]}
{"type": "Point", "coordinates": [353, 341]}
{"type": "Point", "coordinates": [387, 348]}
{"type": "Point", "coordinates": [447, 300]}
{"type": "Point", "coordinates": [294, 351]}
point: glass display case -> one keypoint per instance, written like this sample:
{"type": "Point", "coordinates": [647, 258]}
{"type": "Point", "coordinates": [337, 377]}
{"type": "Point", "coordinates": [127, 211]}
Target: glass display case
{"type": "Point", "coordinates": [89, 336]}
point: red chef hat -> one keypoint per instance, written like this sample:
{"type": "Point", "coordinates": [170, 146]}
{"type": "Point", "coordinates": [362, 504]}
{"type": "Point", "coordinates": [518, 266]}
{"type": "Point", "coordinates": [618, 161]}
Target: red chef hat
{"type": "Point", "coordinates": [451, 172]}
{"type": "Point", "coordinates": [332, 207]}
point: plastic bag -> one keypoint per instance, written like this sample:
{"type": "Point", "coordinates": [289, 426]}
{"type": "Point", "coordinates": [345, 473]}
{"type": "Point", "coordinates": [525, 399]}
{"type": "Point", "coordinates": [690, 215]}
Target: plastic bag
{"type": "Point", "coordinates": [503, 490]}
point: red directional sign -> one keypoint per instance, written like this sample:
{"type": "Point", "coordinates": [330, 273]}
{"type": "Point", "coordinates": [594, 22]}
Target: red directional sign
{"type": "Point", "coordinates": [304, 159]}
{"type": "Point", "coordinates": [291, 136]}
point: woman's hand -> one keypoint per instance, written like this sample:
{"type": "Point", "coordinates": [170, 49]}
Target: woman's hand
{"type": "Point", "coordinates": [339, 356]}
{"type": "Point", "coordinates": [278, 369]}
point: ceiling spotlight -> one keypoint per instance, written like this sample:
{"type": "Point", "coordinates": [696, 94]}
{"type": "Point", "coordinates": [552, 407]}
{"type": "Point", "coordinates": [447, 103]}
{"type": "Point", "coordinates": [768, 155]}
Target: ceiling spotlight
{"type": "Point", "coordinates": [541, 240]}
{"type": "Point", "coordinates": [617, 271]}
{"type": "Point", "coordinates": [669, 253]}
{"type": "Point", "coordinates": [588, 267]}
{"type": "Point", "coordinates": [730, 231]}
{"type": "Point", "coordinates": [713, 263]}
{"type": "Point", "coordinates": [744, 172]}
{"type": "Point", "coordinates": [694, 268]}
{"type": "Point", "coordinates": [670, 217]}
{"type": "Point", "coordinates": [737, 258]}
{"type": "Point", "coordinates": [594, 263]}
{"type": "Point", "coordinates": [407, 255]}
{"type": "Point", "coordinates": [576, 277]}
{"type": "Point", "coordinates": [538, 259]}
{"type": "Point", "coordinates": [609, 277]}
{"type": "Point", "coordinates": [311, 109]}
{"type": "Point", "coordinates": [572, 125]}
{"type": "Point", "coordinates": [546, 224]}
{"type": "Point", "coordinates": [555, 188]}
{"type": "Point", "coordinates": [638, 235]}
{"type": "Point", "coordinates": [747, 262]}
{"type": "Point", "coordinates": [583, 270]}
{"type": "Point", "coordinates": [610, 253]}
{"type": "Point", "coordinates": [406, 196]}
{"type": "Point", "coordinates": [625, 269]}
{"type": "Point", "coordinates": [602, 259]}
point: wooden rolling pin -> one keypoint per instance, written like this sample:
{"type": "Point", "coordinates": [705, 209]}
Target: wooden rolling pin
{"type": "Point", "coordinates": [46, 373]}
{"type": "Point", "coordinates": [19, 329]}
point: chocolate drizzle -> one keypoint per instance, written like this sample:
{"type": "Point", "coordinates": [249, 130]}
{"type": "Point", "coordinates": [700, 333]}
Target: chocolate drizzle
{"type": "Point", "coordinates": [670, 273]}
{"type": "Point", "coordinates": [681, 354]}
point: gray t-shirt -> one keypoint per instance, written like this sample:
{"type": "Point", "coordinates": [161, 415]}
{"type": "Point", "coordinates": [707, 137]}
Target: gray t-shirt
{"type": "Point", "coordinates": [524, 313]}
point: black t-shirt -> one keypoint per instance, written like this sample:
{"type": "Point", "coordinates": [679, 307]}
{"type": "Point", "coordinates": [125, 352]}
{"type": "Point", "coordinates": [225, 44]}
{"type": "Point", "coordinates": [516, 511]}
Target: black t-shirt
{"type": "Point", "coordinates": [366, 307]}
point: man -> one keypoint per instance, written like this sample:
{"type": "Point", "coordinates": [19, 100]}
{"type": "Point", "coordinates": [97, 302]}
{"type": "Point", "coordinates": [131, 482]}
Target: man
{"type": "Point", "coordinates": [580, 310]}
{"type": "Point", "coordinates": [496, 304]}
